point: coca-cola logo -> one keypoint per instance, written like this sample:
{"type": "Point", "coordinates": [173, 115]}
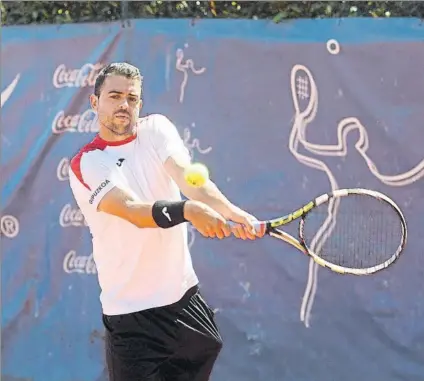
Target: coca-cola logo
{"type": "Point", "coordinates": [71, 217]}
{"type": "Point", "coordinates": [83, 77]}
{"type": "Point", "coordinates": [85, 122]}
{"type": "Point", "coordinates": [80, 264]}
{"type": "Point", "coordinates": [62, 171]}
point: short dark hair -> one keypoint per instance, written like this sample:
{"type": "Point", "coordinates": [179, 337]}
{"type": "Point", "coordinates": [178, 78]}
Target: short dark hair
{"type": "Point", "coordinates": [123, 69]}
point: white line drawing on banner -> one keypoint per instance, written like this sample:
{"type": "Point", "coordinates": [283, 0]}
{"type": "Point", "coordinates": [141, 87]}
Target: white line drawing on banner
{"type": "Point", "coordinates": [303, 87]}
{"type": "Point", "coordinates": [71, 217]}
{"type": "Point", "coordinates": [9, 226]}
{"type": "Point", "coordinates": [7, 92]}
{"type": "Point", "coordinates": [333, 47]}
{"type": "Point", "coordinates": [62, 171]}
{"type": "Point", "coordinates": [246, 288]}
{"type": "Point", "coordinates": [195, 143]}
{"type": "Point", "coordinates": [81, 264]}
{"type": "Point", "coordinates": [191, 232]}
{"type": "Point", "coordinates": [184, 67]}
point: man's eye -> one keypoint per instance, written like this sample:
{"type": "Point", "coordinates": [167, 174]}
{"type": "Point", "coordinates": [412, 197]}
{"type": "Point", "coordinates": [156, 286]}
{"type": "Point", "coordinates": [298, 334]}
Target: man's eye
{"type": "Point", "coordinates": [116, 96]}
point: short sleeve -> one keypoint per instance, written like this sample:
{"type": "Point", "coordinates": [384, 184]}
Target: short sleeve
{"type": "Point", "coordinates": [93, 171]}
{"type": "Point", "coordinates": [167, 141]}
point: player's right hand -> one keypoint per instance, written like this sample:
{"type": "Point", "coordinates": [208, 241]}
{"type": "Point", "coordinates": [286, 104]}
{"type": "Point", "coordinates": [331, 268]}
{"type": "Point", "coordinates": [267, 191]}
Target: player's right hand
{"type": "Point", "coordinates": [207, 221]}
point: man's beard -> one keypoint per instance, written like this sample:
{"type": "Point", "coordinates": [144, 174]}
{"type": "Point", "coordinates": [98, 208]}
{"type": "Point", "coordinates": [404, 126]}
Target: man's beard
{"type": "Point", "coordinates": [119, 130]}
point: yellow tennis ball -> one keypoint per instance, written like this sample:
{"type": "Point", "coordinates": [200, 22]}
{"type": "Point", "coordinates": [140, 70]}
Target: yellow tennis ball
{"type": "Point", "coordinates": [196, 175]}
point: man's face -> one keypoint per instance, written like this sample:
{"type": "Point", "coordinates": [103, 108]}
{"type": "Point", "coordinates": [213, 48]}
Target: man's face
{"type": "Point", "coordinates": [119, 103]}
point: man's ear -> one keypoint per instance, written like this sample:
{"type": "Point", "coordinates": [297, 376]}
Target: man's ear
{"type": "Point", "coordinates": [94, 102]}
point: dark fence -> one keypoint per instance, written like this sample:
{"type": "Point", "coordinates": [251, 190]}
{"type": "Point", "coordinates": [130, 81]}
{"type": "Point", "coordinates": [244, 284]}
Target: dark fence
{"type": "Point", "coordinates": [53, 12]}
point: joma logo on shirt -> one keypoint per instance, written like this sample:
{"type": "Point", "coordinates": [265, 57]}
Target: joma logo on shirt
{"type": "Point", "coordinates": [98, 190]}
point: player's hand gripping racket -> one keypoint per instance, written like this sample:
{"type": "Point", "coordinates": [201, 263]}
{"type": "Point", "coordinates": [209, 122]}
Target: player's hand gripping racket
{"type": "Point", "coordinates": [349, 231]}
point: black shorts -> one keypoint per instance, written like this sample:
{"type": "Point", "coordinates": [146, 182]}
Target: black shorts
{"type": "Point", "coordinates": [179, 342]}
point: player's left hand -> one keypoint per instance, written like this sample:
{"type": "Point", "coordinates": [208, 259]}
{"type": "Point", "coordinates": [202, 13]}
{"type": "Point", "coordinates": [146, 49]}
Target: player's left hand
{"type": "Point", "coordinates": [244, 228]}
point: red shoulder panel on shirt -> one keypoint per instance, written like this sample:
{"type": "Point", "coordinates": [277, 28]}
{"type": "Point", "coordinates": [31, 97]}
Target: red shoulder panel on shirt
{"type": "Point", "coordinates": [96, 143]}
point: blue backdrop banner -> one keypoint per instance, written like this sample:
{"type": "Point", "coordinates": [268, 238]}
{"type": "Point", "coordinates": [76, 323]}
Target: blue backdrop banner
{"type": "Point", "coordinates": [233, 88]}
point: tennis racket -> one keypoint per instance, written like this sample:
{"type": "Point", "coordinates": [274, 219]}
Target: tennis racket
{"type": "Point", "coordinates": [349, 231]}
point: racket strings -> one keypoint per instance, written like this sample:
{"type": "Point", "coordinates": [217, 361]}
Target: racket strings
{"type": "Point", "coordinates": [354, 231]}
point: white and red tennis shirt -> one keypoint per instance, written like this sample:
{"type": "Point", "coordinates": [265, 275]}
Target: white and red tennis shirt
{"type": "Point", "coordinates": [137, 268]}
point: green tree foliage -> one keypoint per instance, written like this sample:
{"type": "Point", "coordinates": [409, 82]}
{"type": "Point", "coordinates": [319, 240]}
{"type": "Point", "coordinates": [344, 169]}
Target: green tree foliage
{"type": "Point", "coordinates": [48, 12]}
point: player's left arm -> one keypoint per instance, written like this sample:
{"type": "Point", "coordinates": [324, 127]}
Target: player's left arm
{"type": "Point", "coordinates": [211, 195]}
{"type": "Point", "coordinates": [176, 158]}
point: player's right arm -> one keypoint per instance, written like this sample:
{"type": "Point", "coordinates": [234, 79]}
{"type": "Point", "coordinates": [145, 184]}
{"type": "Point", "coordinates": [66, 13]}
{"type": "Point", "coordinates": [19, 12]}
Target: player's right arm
{"type": "Point", "coordinates": [94, 170]}
{"type": "Point", "coordinates": [117, 203]}
{"type": "Point", "coordinates": [208, 222]}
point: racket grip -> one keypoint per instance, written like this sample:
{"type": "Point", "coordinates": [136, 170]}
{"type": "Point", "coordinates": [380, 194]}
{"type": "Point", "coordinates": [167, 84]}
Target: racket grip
{"type": "Point", "coordinates": [259, 226]}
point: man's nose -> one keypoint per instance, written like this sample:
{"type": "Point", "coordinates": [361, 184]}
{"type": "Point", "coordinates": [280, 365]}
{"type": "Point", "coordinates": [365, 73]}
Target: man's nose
{"type": "Point", "coordinates": [124, 105]}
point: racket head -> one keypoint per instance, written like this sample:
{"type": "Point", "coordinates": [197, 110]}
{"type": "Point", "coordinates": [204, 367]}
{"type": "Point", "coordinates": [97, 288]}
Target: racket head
{"type": "Point", "coordinates": [353, 231]}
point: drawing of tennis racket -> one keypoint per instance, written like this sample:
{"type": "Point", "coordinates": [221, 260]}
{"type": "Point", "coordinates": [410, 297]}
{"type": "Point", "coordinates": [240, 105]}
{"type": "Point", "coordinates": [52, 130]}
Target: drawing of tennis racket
{"type": "Point", "coordinates": [349, 231]}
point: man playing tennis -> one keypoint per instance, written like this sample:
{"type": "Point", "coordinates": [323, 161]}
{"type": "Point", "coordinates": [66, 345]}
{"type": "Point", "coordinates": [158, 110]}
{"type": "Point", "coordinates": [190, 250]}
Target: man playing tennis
{"type": "Point", "coordinates": [127, 183]}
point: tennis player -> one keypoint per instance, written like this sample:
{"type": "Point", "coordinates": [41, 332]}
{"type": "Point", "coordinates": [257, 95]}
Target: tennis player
{"type": "Point", "coordinates": [127, 183]}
